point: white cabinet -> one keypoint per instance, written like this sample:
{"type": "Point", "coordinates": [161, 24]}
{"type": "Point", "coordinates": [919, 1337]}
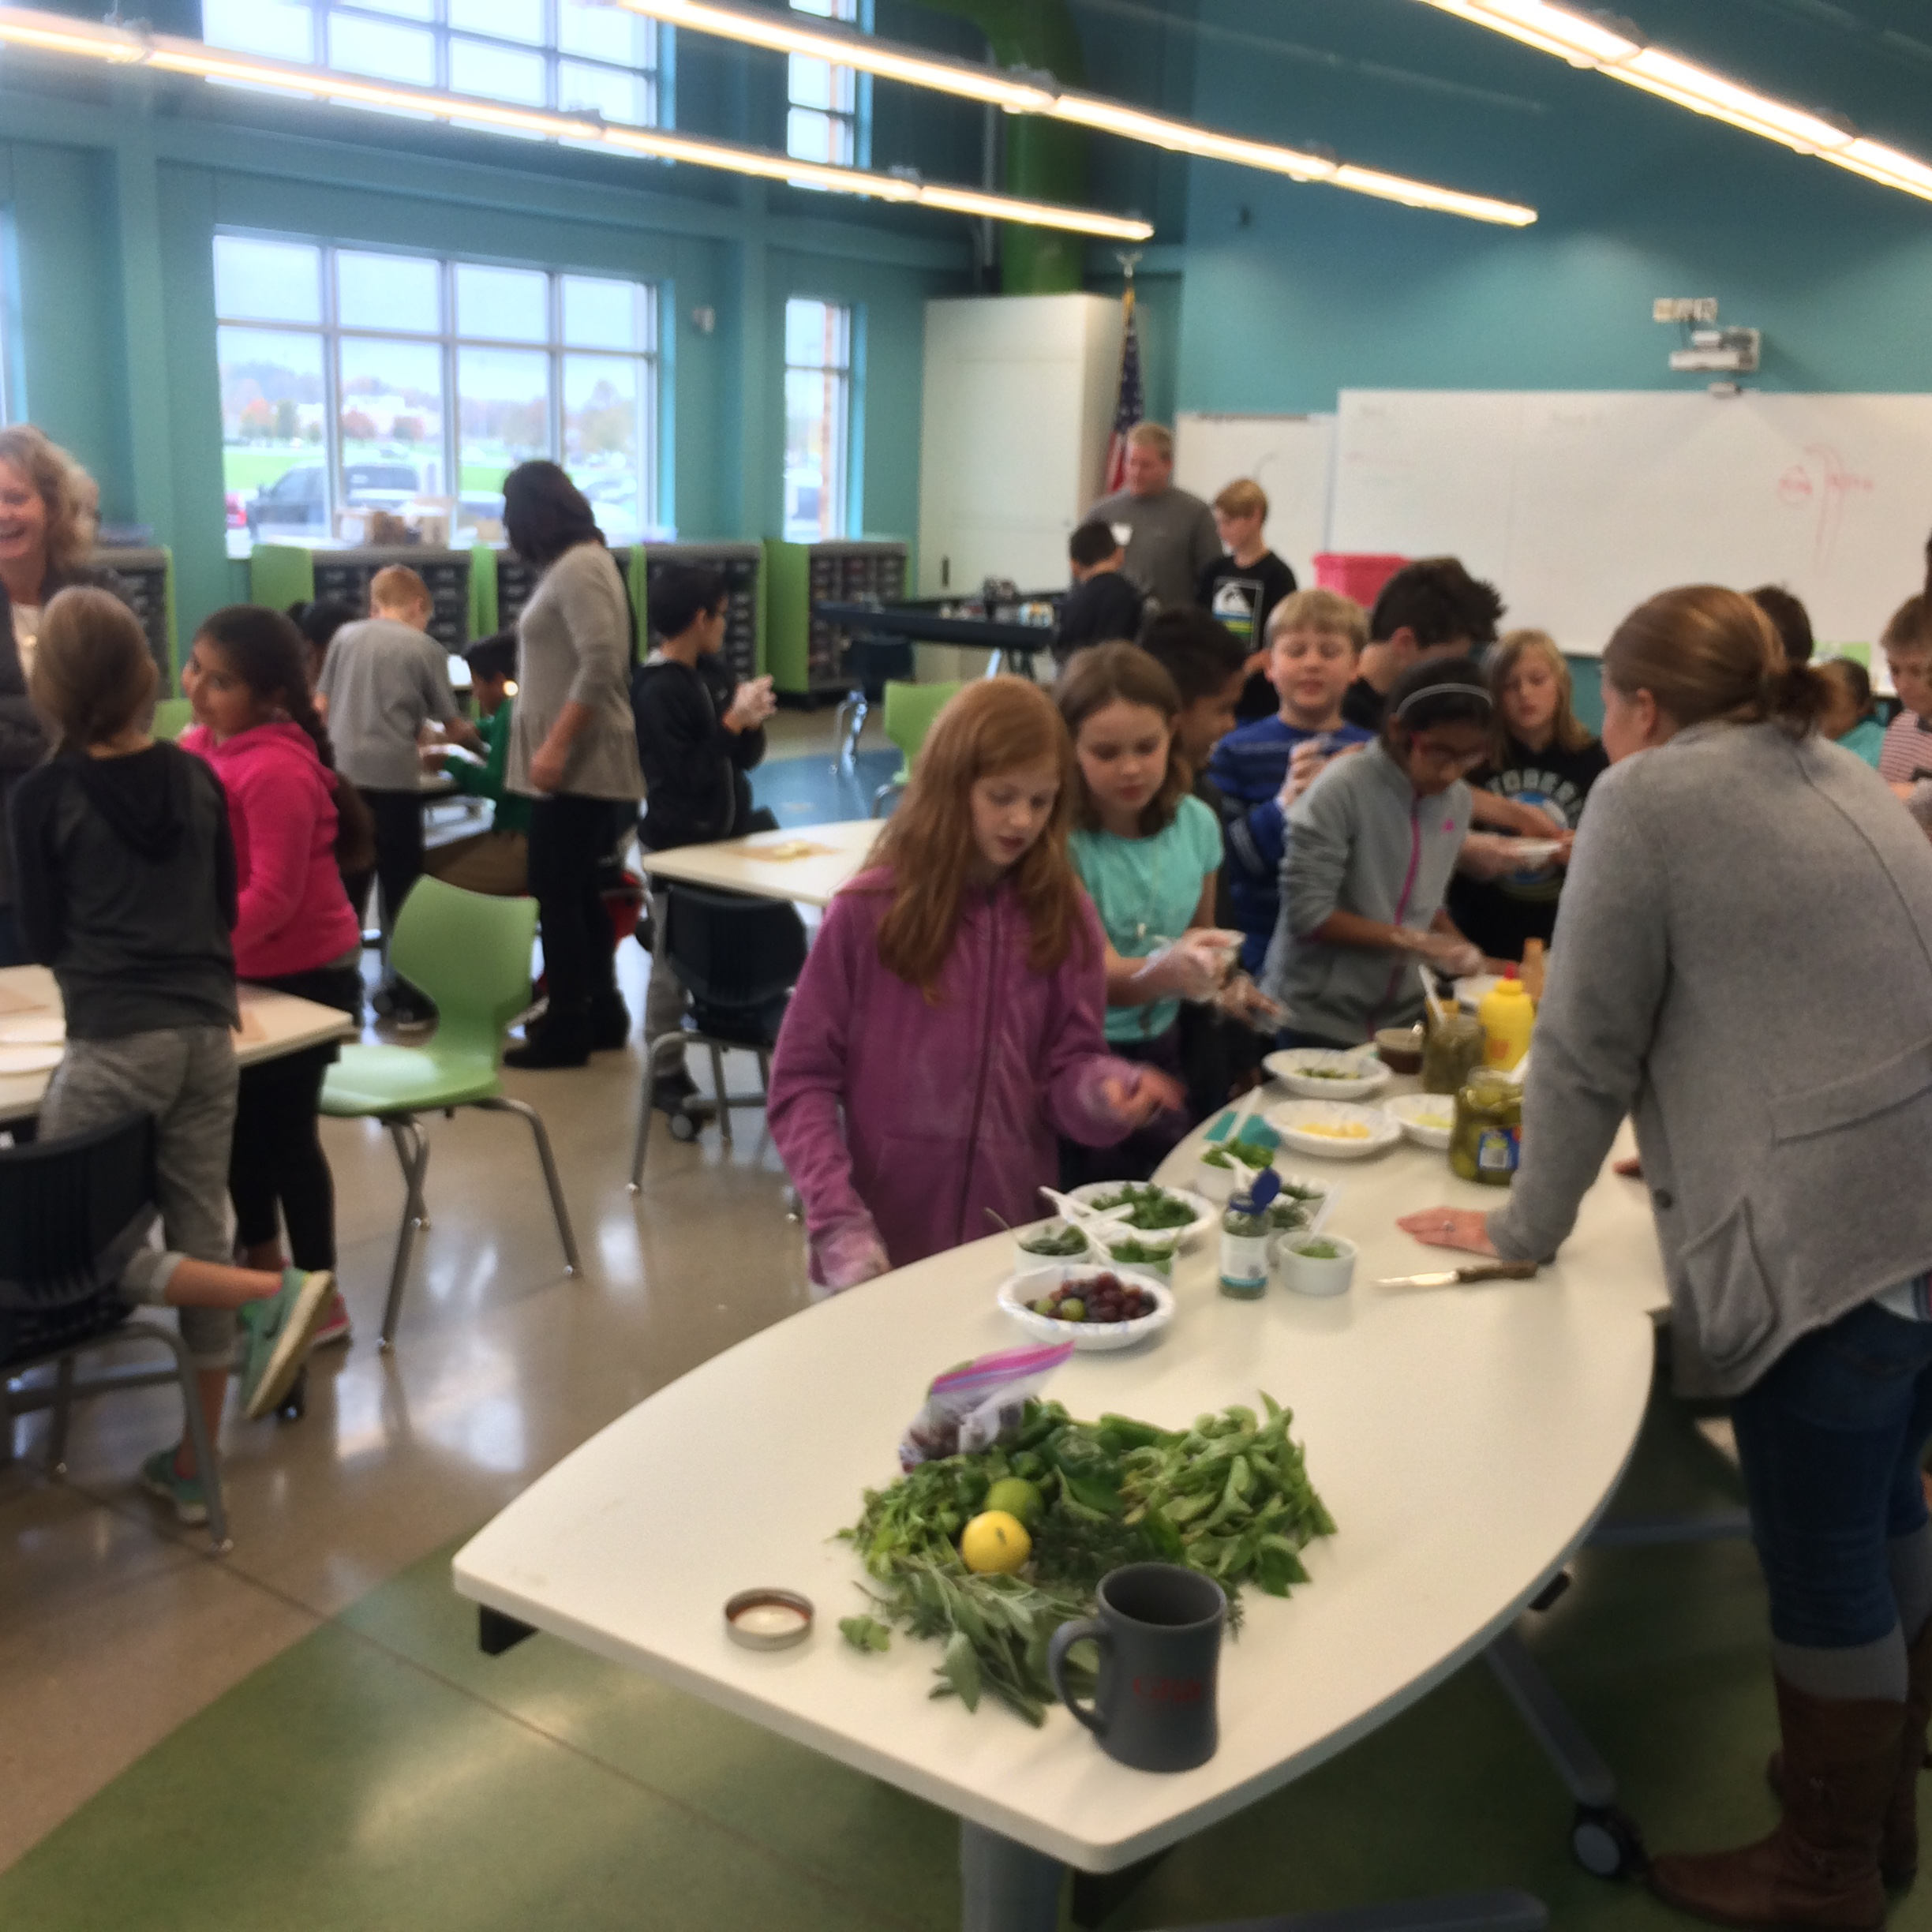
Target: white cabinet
{"type": "Point", "coordinates": [1020, 392]}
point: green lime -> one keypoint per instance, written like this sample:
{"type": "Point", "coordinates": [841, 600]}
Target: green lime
{"type": "Point", "coordinates": [1017, 1497]}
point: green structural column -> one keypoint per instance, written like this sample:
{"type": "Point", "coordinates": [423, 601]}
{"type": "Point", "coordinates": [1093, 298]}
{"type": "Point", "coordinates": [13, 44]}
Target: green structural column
{"type": "Point", "coordinates": [1045, 160]}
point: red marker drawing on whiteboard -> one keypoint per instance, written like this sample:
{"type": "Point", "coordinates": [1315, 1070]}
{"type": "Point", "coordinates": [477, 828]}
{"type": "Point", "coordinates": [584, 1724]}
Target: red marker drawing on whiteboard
{"type": "Point", "coordinates": [1822, 481]}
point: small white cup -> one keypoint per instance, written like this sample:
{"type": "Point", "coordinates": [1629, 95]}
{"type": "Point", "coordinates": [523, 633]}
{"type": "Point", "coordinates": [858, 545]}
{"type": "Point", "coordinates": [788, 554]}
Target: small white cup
{"type": "Point", "coordinates": [1317, 1275]}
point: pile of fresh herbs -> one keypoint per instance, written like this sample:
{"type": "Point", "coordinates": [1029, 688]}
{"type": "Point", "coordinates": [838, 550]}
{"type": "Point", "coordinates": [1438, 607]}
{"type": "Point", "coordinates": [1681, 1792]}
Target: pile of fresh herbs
{"type": "Point", "coordinates": [1229, 1497]}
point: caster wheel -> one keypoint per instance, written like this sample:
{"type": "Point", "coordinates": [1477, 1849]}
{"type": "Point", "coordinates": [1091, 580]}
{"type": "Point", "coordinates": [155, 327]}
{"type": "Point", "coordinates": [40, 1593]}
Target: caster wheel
{"type": "Point", "coordinates": [1607, 1843]}
{"type": "Point", "coordinates": [295, 1403]}
{"type": "Point", "coordinates": [683, 1126]}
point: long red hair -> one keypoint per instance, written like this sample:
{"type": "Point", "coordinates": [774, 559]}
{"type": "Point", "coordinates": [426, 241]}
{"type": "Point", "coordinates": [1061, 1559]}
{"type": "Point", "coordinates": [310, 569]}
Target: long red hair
{"type": "Point", "coordinates": [993, 726]}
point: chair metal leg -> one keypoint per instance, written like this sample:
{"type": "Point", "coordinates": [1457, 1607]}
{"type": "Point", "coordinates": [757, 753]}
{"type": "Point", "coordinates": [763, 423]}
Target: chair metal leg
{"type": "Point", "coordinates": [645, 1109]}
{"type": "Point", "coordinates": [724, 1101]}
{"type": "Point", "coordinates": [502, 1103]}
{"type": "Point", "coordinates": [63, 1408]}
{"type": "Point", "coordinates": [848, 723]}
{"type": "Point", "coordinates": [412, 1147]}
{"type": "Point", "coordinates": [890, 789]}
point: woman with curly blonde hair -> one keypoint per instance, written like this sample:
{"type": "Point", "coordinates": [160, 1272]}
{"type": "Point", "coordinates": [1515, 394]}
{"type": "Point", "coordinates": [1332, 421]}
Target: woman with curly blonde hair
{"type": "Point", "coordinates": [48, 518]}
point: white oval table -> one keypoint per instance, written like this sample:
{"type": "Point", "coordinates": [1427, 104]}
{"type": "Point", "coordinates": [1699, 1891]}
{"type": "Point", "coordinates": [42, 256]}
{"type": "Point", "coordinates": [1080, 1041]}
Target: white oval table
{"type": "Point", "coordinates": [1465, 1440]}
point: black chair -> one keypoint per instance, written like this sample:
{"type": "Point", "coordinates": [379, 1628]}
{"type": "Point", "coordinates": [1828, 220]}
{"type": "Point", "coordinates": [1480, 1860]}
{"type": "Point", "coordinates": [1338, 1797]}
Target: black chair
{"type": "Point", "coordinates": [73, 1213]}
{"type": "Point", "coordinates": [739, 958]}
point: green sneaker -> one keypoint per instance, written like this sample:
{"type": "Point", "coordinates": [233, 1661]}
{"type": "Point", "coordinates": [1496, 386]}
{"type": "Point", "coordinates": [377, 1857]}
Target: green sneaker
{"type": "Point", "coordinates": [276, 1334]}
{"type": "Point", "coordinates": [186, 1492]}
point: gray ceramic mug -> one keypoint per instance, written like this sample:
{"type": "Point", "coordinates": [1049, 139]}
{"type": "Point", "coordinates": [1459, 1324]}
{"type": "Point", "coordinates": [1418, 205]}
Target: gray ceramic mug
{"type": "Point", "coordinates": [1158, 1633]}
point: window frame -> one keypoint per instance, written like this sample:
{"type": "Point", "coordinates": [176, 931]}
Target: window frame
{"type": "Point", "coordinates": [654, 74]}
{"type": "Point", "coordinates": [449, 340]}
{"type": "Point", "coordinates": [859, 119]}
{"type": "Point", "coordinates": [844, 489]}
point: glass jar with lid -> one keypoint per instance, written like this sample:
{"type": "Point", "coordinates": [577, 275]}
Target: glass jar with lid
{"type": "Point", "coordinates": [1486, 1143]}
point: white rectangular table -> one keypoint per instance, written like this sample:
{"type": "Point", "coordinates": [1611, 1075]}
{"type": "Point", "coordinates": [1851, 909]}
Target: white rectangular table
{"type": "Point", "coordinates": [766, 865]}
{"type": "Point", "coordinates": [1467, 1441]}
{"type": "Point", "coordinates": [272, 1024]}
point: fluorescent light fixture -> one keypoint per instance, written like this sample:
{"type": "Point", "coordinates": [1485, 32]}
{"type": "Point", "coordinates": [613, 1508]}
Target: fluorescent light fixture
{"type": "Point", "coordinates": [54, 33]}
{"type": "Point", "coordinates": [1586, 41]}
{"type": "Point", "coordinates": [1021, 91]}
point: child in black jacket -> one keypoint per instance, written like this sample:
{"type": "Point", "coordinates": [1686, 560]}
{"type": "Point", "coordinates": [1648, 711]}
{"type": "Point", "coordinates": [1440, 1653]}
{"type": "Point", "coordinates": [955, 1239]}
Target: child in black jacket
{"type": "Point", "coordinates": [698, 733]}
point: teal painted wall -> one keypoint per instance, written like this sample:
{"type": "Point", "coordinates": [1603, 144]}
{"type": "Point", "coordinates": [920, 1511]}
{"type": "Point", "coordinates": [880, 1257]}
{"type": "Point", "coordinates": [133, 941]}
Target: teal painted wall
{"type": "Point", "coordinates": [1292, 293]}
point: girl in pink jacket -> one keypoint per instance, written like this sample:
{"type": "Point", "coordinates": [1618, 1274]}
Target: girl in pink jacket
{"type": "Point", "coordinates": [294, 928]}
{"type": "Point", "coordinates": [947, 1026]}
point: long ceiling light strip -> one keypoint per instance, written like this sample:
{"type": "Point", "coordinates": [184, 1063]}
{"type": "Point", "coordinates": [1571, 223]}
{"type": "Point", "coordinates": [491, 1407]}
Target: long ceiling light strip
{"type": "Point", "coordinates": [1587, 42]}
{"type": "Point", "coordinates": [55, 33]}
{"type": "Point", "coordinates": [1031, 91]}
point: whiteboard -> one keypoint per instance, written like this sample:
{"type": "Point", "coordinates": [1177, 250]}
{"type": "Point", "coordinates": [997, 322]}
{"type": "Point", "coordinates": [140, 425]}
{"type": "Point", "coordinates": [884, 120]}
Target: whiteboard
{"type": "Point", "coordinates": [1287, 455]}
{"type": "Point", "coordinates": [1579, 504]}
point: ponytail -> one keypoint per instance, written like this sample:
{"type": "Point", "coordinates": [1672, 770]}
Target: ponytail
{"type": "Point", "coordinates": [1705, 653]}
{"type": "Point", "coordinates": [1909, 634]}
{"type": "Point", "coordinates": [269, 655]}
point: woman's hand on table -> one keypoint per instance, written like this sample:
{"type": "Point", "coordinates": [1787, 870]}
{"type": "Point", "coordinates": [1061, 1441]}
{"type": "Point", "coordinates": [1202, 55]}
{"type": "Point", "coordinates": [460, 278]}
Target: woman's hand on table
{"type": "Point", "coordinates": [1465, 1228]}
{"type": "Point", "coordinates": [1150, 1091]}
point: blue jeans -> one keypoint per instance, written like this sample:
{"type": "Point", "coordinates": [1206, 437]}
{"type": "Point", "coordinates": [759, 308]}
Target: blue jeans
{"type": "Point", "coordinates": [1830, 1441]}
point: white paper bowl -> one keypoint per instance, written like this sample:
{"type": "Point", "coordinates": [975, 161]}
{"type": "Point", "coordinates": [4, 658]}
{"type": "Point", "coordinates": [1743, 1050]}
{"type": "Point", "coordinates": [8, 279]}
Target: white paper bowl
{"type": "Point", "coordinates": [1100, 1252]}
{"type": "Point", "coordinates": [1312, 1275]}
{"type": "Point", "coordinates": [1415, 1111]}
{"type": "Point", "coordinates": [1024, 1259]}
{"type": "Point", "coordinates": [1219, 1185]}
{"type": "Point", "coordinates": [1300, 1069]}
{"type": "Point", "coordinates": [1292, 1119]}
{"type": "Point", "coordinates": [1206, 1215]}
{"type": "Point", "coordinates": [1092, 1338]}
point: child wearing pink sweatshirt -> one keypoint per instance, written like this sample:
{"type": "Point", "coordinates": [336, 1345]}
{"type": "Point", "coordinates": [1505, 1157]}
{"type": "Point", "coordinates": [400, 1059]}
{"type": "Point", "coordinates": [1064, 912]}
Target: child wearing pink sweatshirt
{"type": "Point", "coordinates": [948, 1024]}
{"type": "Point", "coordinates": [295, 930]}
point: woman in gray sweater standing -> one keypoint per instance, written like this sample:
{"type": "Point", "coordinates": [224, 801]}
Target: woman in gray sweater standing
{"type": "Point", "coordinates": [1744, 960]}
{"type": "Point", "coordinates": [574, 750]}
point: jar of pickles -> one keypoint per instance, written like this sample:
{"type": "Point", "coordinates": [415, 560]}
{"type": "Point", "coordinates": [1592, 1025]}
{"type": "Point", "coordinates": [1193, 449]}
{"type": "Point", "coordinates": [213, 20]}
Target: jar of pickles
{"type": "Point", "coordinates": [1486, 1143]}
{"type": "Point", "coordinates": [1452, 1049]}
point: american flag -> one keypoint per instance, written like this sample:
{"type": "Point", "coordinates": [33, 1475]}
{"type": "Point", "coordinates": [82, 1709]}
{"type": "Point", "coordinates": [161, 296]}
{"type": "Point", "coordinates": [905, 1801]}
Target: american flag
{"type": "Point", "coordinates": [1131, 406]}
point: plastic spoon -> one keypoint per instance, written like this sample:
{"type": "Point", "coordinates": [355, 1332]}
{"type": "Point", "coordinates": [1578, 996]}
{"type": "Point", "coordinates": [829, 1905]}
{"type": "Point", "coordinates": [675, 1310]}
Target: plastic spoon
{"type": "Point", "coordinates": [1078, 1211]}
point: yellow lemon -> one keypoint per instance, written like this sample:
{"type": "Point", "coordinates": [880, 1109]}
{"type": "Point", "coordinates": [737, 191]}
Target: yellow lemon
{"type": "Point", "coordinates": [995, 1544]}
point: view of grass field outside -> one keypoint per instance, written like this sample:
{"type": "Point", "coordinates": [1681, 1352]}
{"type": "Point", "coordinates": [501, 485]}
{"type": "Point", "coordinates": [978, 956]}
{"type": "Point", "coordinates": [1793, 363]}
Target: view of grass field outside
{"type": "Point", "coordinates": [352, 380]}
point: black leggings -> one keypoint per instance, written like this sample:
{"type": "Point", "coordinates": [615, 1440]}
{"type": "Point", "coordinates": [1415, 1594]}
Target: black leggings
{"type": "Point", "coordinates": [399, 853]}
{"type": "Point", "coordinates": [277, 1171]}
{"type": "Point", "coordinates": [569, 839]}
{"type": "Point", "coordinates": [278, 1174]}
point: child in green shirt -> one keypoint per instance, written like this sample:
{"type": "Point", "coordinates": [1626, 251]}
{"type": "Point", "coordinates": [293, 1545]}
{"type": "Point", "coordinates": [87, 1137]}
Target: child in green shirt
{"type": "Point", "coordinates": [496, 862]}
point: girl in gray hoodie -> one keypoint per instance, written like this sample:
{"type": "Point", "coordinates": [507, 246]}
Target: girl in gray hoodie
{"type": "Point", "coordinates": [1371, 846]}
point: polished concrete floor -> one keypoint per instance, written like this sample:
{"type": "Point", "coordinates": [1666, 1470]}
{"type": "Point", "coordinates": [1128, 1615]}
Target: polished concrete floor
{"type": "Point", "coordinates": [303, 1731]}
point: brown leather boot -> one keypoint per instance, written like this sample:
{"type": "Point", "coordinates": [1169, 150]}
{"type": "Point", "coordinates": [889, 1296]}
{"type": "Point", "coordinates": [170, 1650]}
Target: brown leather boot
{"type": "Point", "coordinates": [1898, 1851]}
{"type": "Point", "coordinates": [1820, 1868]}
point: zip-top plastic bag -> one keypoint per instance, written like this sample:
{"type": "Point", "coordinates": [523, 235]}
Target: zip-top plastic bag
{"type": "Point", "coordinates": [979, 1403]}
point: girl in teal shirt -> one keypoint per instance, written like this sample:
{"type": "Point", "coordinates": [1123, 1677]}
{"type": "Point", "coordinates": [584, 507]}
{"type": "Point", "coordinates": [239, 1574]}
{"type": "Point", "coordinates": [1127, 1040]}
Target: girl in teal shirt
{"type": "Point", "coordinates": [1149, 854]}
{"type": "Point", "coordinates": [1850, 719]}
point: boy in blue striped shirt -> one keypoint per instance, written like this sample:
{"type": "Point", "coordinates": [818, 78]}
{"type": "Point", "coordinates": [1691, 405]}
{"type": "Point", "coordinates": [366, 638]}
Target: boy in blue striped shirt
{"type": "Point", "coordinates": [1315, 643]}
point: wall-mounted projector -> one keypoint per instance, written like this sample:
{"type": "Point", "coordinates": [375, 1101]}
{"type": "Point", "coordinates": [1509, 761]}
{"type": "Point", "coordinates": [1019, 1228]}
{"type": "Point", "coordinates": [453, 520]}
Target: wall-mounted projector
{"type": "Point", "coordinates": [1720, 351]}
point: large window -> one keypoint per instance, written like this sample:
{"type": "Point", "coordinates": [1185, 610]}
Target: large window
{"type": "Point", "coordinates": [561, 53]}
{"type": "Point", "coordinates": [824, 119]}
{"type": "Point", "coordinates": [818, 381]}
{"type": "Point", "coordinates": [352, 380]}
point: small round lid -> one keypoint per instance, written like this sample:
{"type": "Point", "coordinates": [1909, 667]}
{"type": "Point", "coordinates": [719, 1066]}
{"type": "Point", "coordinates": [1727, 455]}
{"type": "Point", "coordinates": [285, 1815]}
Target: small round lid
{"type": "Point", "coordinates": [768, 1619]}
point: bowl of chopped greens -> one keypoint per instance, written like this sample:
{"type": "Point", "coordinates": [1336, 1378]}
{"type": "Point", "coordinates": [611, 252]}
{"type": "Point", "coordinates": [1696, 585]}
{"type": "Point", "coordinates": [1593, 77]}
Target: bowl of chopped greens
{"type": "Point", "coordinates": [1150, 1208]}
{"type": "Point", "coordinates": [1316, 1264]}
{"type": "Point", "coordinates": [1323, 1073]}
{"type": "Point", "coordinates": [1138, 1251]}
{"type": "Point", "coordinates": [1229, 1165]}
{"type": "Point", "coordinates": [1047, 1241]}
{"type": "Point", "coordinates": [1301, 1208]}
{"type": "Point", "coordinates": [1096, 1310]}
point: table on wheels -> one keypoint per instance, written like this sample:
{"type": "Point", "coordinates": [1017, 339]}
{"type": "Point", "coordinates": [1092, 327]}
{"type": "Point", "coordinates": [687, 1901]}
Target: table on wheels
{"type": "Point", "coordinates": [807, 865]}
{"type": "Point", "coordinates": [272, 1024]}
{"type": "Point", "coordinates": [1466, 1441]}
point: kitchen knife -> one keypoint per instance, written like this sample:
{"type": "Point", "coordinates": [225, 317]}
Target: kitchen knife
{"type": "Point", "coordinates": [1456, 1278]}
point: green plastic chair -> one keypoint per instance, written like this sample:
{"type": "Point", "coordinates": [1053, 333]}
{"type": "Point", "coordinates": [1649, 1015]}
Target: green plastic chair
{"type": "Point", "coordinates": [471, 954]}
{"type": "Point", "coordinates": [172, 717]}
{"type": "Point", "coordinates": [910, 710]}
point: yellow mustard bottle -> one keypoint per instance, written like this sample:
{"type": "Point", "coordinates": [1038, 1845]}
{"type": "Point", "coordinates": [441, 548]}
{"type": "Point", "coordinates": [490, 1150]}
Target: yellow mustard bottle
{"type": "Point", "coordinates": [1507, 1014]}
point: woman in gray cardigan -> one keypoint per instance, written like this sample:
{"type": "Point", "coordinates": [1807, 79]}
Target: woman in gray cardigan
{"type": "Point", "coordinates": [1744, 960]}
{"type": "Point", "coordinates": [574, 750]}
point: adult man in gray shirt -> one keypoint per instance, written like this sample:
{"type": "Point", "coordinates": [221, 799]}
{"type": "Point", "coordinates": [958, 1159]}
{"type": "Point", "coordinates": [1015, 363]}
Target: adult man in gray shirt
{"type": "Point", "coordinates": [1169, 533]}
